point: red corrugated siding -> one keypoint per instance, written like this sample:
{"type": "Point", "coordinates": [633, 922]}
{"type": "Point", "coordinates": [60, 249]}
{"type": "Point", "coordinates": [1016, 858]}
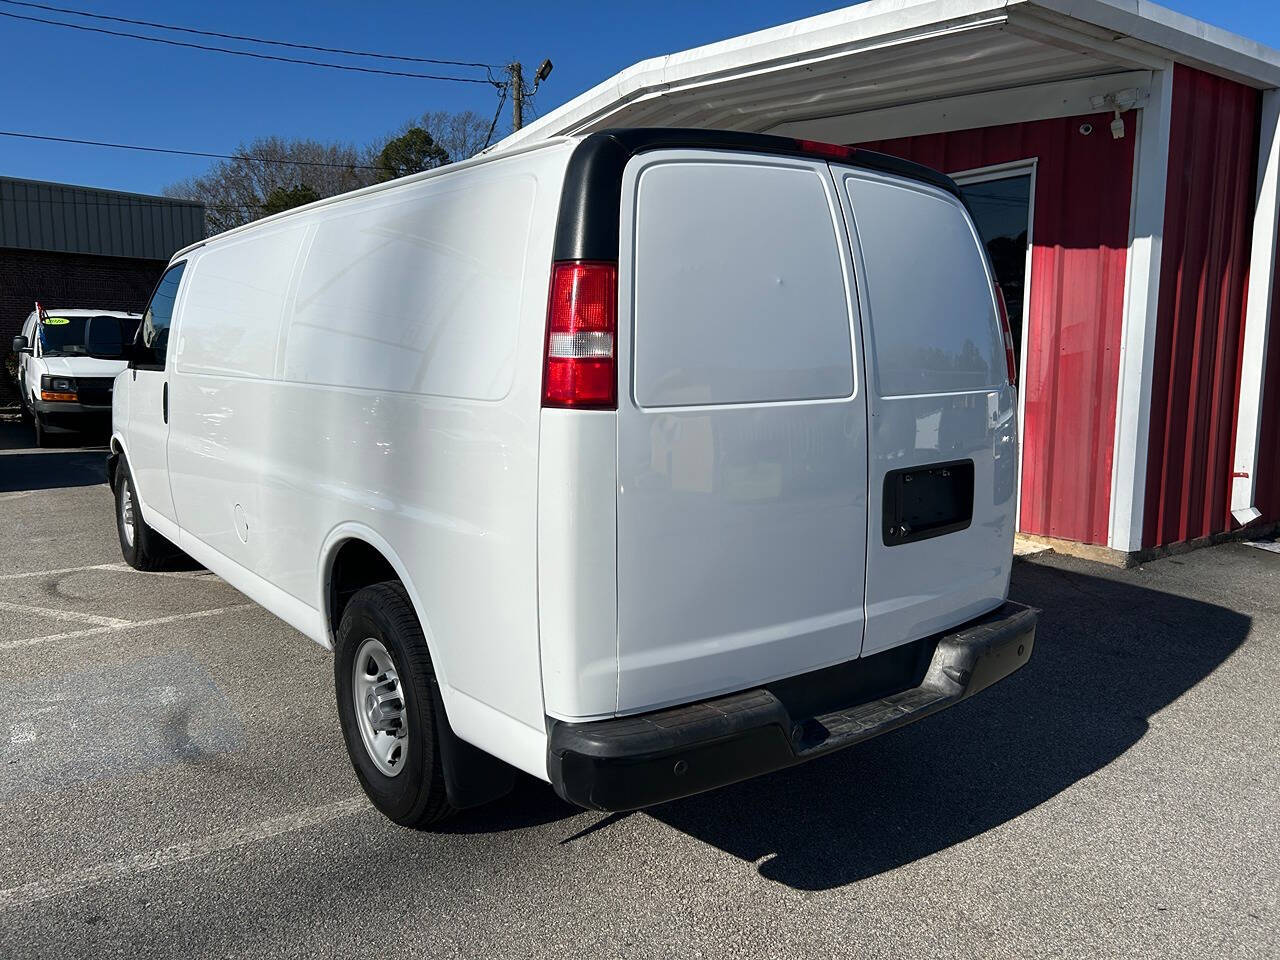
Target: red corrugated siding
{"type": "Point", "coordinates": [1268, 489]}
{"type": "Point", "coordinates": [1213, 146]}
{"type": "Point", "coordinates": [1081, 239]}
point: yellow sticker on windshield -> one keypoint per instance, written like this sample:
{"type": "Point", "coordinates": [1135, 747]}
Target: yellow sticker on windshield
{"type": "Point", "coordinates": [56, 321]}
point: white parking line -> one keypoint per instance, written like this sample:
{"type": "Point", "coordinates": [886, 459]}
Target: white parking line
{"type": "Point", "coordinates": [53, 573]}
{"type": "Point", "coordinates": [120, 626]}
{"type": "Point", "coordinates": [114, 567]}
{"type": "Point", "coordinates": [53, 613]}
{"type": "Point", "coordinates": [75, 880]}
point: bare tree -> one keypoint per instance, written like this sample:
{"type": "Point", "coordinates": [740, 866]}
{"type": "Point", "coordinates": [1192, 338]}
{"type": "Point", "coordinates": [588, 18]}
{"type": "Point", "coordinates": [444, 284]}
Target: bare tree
{"type": "Point", "coordinates": [234, 191]}
{"type": "Point", "coordinates": [461, 134]}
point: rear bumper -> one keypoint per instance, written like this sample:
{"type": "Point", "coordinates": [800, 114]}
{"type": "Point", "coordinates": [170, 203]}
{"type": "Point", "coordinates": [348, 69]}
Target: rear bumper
{"type": "Point", "coordinates": [637, 761]}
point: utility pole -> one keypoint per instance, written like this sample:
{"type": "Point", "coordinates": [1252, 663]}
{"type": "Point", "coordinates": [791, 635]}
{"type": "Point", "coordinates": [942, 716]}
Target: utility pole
{"type": "Point", "coordinates": [515, 71]}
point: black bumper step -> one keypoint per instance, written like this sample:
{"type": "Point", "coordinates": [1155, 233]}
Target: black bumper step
{"type": "Point", "coordinates": [637, 761]}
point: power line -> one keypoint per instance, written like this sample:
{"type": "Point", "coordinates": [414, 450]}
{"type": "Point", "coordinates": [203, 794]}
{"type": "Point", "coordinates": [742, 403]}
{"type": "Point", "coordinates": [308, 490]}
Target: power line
{"type": "Point", "coordinates": [502, 99]}
{"type": "Point", "coordinates": [248, 39]}
{"type": "Point", "coordinates": [245, 53]}
{"type": "Point", "coordinates": [184, 153]}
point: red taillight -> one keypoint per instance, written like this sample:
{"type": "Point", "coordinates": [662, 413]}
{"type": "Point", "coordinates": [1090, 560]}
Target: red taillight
{"type": "Point", "coordinates": [1010, 360]}
{"type": "Point", "coordinates": [582, 327]}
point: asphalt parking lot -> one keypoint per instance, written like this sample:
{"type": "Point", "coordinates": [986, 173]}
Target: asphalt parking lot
{"type": "Point", "coordinates": [173, 783]}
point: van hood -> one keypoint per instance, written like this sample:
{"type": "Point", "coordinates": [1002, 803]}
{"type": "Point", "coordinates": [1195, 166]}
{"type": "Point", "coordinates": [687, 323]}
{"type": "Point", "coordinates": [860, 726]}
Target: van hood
{"type": "Point", "coordinates": [82, 367]}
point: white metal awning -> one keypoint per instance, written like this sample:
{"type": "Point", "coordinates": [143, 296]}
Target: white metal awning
{"type": "Point", "coordinates": [889, 53]}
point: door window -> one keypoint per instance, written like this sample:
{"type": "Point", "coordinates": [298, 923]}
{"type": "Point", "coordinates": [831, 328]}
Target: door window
{"type": "Point", "coordinates": [933, 321]}
{"type": "Point", "coordinates": [1001, 210]}
{"type": "Point", "coordinates": [739, 290]}
{"type": "Point", "coordinates": [153, 334]}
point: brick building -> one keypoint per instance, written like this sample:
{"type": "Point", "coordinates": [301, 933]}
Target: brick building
{"type": "Point", "coordinates": [70, 246]}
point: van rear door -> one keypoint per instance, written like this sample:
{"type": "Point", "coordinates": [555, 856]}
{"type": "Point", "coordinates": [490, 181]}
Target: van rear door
{"type": "Point", "coordinates": [943, 438]}
{"type": "Point", "coordinates": [742, 459]}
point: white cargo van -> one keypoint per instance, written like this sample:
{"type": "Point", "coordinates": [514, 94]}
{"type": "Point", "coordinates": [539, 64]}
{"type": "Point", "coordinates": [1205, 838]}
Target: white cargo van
{"type": "Point", "coordinates": [643, 463]}
{"type": "Point", "coordinates": [61, 387]}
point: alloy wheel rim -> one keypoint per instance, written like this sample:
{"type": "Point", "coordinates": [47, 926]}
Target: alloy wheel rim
{"type": "Point", "coordinates": [380, 709]}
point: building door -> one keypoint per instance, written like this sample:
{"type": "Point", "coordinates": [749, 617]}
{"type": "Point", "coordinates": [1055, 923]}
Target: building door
{"type": "Point", "coordinates": [1001, 199]}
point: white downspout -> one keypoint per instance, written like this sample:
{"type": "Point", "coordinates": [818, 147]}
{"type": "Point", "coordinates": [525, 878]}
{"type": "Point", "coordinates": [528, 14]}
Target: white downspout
{"type": "Point", "coordinates": [1257, 315]}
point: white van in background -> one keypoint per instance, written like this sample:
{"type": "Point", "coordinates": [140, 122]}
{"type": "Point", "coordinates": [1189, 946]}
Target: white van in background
{"type": "Point", "coordinates": [61, 387]}
{"type": "Point", "coordinates": [643, 462]}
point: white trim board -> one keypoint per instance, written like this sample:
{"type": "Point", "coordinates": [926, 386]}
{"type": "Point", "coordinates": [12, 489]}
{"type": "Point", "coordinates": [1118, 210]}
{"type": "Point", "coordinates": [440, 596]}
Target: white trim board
{"type": "Point", "coordinates": [1138, 326]}
{"type": "Point", "coordinates": [1257, 316]}
{"type": "Point", "coordinates": [1041, 101]}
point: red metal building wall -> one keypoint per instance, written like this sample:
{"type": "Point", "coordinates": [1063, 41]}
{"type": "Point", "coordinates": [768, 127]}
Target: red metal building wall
{"type": "Point", "coordinates": [1208, 222]}
{"type": "Point", "coordinates": [1080, 241]}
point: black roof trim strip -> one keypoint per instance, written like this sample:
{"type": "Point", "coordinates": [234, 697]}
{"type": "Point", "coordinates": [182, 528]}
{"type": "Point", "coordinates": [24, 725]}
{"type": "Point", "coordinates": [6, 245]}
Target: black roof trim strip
{"type": "Point", "coordinates": [587, 225]}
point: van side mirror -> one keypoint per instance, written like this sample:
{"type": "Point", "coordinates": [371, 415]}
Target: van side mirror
{"type": "Point", "coordinates": [21, 345]}
{"type": "Point", "coordinates": [106, 338]}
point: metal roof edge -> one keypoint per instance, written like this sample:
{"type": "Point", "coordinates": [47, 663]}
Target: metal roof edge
{"type": "Point", "coordinates": [81, 188]}
{"type": "Point", "coordinates": [1186, 38]}
{"type": "Point", "coordinates": [1131, 22]}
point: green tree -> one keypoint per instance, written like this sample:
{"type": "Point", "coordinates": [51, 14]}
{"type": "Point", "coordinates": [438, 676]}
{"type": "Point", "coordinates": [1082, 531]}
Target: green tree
{"type": "Point", "coordinates": [413, 151]}
{"type": "Point", "coordinates": [286, 198]}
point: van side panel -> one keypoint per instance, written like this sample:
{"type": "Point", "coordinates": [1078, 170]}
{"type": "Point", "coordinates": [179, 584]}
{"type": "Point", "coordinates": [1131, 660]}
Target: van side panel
{"type": "Point", "coordinates": [741, 427]}
{"type": "Point", "coordinates": [222, 423]}
{"type": "Point", "coordinates": [938, 395]}
{"type": "Point", "coordinates": [405, 399]}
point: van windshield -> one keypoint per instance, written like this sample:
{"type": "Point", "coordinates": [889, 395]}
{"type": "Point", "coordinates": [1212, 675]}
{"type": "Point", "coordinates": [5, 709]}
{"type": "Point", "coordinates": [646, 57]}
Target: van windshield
{"type": "Point", "coordinates": [64, 336]}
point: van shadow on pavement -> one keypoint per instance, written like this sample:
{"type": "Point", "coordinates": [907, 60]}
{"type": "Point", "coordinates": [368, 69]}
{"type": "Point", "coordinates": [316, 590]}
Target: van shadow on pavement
{"type": "Point", "coordinates": [1108, 656]}
{"type": "Point", "coordinates": [24, 467]}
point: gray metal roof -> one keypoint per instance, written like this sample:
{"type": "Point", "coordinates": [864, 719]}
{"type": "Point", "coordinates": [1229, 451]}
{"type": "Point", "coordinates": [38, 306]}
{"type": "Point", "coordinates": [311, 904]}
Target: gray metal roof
{"type": "Point", "coordinates": [62, 218]}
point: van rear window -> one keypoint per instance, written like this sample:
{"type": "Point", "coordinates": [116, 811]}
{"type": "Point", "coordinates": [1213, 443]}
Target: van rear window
{"type": "Point", "coordinates": [933, 322]}
{"type": "Point", "coordinates": [740, 294]}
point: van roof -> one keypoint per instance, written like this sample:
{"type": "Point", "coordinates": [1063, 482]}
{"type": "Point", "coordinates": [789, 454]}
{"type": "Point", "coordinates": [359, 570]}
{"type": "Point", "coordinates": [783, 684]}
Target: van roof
{"type": "Point", "coordinates": [85, 312]}
{"type": "Point", "coordinates": [446, 170]}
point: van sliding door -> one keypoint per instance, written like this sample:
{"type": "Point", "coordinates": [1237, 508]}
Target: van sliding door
{"type": "Point", "coordinates": [943, 441]}
{"type": "Point", "coordinates": [741, 427]}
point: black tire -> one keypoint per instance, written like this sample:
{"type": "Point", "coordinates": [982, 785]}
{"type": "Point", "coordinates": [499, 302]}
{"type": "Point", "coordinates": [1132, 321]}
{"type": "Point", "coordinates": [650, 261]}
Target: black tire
{"type": "Point", "coordinates": [415, 796]}
{"type": "Point", "coordinates": [142, 547]}
{"type": "Point", "coordinates": [37, 423]}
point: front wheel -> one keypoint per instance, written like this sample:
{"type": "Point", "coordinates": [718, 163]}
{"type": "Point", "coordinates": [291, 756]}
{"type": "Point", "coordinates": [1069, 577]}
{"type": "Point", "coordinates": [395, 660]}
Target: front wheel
{"type": "Point", "coordinates": [142, 547]}
{"type": "Point", "coordinates": [389, 706]}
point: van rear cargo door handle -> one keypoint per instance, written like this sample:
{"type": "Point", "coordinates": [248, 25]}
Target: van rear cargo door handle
{"type": "Point", "coordinates": [164, 401]}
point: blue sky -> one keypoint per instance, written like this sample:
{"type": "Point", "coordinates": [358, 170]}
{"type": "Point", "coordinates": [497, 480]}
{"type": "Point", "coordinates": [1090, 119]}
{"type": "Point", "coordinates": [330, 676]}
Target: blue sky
{"type": "Point", "coordinates": [68, 83]}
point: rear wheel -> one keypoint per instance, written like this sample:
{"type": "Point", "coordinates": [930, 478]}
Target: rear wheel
{"type": "Point", "coordinates": [389, 706]}
{"type": "Point", "coordinates": [142, 547]}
